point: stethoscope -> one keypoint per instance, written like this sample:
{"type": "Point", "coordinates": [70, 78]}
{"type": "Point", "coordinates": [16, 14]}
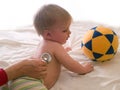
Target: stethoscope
{"type": "Point", "coordinates": [46, 57]}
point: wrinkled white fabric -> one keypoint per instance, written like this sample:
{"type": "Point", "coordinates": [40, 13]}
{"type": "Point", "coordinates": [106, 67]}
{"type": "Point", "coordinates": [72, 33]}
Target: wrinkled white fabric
{"type": "Point", "coordinates": [21, 43]}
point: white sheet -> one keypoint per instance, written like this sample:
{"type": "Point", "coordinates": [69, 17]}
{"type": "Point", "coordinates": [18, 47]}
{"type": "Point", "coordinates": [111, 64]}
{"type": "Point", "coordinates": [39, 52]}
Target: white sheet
{"type": "Point", "coordinates": [21, 43]}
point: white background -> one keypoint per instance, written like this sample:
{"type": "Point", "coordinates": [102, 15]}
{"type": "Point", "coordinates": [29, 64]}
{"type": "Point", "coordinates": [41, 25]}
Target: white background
{"type": "Point", "coordinates": [14, 13]}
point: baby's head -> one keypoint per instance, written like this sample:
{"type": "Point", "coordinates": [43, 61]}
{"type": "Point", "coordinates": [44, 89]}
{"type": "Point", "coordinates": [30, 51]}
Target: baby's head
{"type": "Point", "coordinates": [49, 16]}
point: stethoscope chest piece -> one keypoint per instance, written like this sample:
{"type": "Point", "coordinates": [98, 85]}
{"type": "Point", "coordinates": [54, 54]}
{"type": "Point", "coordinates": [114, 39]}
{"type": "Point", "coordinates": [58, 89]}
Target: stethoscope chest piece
{"type": "Point", "coordinates": [46, 57]}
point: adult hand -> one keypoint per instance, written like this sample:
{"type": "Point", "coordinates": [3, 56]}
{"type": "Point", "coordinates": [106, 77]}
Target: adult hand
{"type": "Point", "coordinates": [34, 68]}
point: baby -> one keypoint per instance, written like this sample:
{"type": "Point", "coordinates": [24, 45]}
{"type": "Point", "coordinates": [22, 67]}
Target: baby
{"type": "Point", "coordinates": [52, 22]}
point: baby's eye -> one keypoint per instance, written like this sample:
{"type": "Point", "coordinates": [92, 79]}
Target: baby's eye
{"type": "Point", "coordinates": [64, 30]}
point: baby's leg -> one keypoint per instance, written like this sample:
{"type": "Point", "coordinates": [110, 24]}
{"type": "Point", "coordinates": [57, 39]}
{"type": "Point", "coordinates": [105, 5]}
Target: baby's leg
{"type": "Point", "coordinates": [27, 83]}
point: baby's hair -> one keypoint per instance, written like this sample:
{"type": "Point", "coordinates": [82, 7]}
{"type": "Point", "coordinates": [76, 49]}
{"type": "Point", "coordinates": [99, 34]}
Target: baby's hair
{"type": "Point", "coordinates": [48, 16]}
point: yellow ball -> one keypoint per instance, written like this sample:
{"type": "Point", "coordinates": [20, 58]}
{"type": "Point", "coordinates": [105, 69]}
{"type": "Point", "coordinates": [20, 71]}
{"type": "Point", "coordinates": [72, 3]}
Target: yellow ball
{"type": "Point", "coordinates": [100, 43]}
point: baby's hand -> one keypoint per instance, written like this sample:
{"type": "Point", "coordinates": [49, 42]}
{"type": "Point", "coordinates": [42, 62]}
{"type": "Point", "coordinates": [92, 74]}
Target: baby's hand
{"type": "Point", "coordinates": [68, 49]}
{"type": "Point", "coordinates": [88, 67]}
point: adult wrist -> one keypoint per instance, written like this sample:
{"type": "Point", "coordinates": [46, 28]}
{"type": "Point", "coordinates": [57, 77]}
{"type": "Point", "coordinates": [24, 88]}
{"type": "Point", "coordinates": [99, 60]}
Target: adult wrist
{"type": "Point", "coordinates": [3, 77]}
{"type": "Point", "coordinates": [15, 70]}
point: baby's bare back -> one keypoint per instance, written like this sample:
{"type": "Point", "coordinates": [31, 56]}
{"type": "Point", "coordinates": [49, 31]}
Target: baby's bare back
{"type": "Point", "coordinates": [53, 71]}
{"type": "Point", "coordinates": [53, 67]}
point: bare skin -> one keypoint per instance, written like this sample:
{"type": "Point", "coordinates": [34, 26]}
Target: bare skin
{"type": "Point", "coordinates": [52, 23]}
{"type": "Point", "coordinates": [59, 56]}
{"type": "Point", "coordinates": [25, 67]}
{"type": "Point", "coordinates": [52, 42]}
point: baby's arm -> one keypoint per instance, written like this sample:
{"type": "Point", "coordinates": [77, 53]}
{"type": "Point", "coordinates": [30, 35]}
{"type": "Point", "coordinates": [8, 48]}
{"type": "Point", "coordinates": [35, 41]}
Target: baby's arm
{"type": "Point", "coordinates": [67, 61]}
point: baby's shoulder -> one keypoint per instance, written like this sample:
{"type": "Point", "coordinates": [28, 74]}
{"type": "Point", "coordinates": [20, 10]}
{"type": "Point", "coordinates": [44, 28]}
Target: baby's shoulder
{"type": "Point", "coordinates": [54, 45]}
{"type": "Point", "coordinates": [51, 43]}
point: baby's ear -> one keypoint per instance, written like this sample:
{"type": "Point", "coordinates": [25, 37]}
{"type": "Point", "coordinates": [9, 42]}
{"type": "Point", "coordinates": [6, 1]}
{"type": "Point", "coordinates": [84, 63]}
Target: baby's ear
{"type": "Point", "coordinates": [47, 34]}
